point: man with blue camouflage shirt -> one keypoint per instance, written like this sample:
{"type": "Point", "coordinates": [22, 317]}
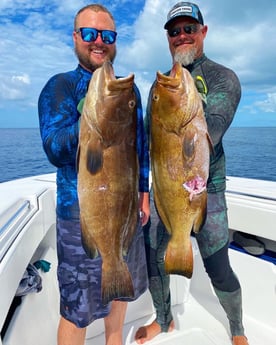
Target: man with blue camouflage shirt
{"type": "Point", "coordinates": [79, 276]}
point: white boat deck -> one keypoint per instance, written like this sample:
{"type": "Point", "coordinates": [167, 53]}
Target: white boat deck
{"type": "Point", "coordinates": [27, 233]}
{"type": "Point", "coordinates": [200, 319]}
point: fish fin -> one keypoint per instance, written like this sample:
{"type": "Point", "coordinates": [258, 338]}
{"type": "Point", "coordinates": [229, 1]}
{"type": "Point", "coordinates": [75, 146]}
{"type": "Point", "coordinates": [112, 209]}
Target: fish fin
{"type": "Point", "coordinates": [200, 220]}
{"type": "Point", "coordinates": [188, 145]}
{"type": "Point", "coordinates": [94, 157]}
{"type": "Point", "coordinates": [88, 243]}
{"type": "Point", "coordinates": [127, 241]}
{"type": "Point", "coordinates": [160, 210]}
{"type": "Point", "coordinates": [90, 250]}
{"type": "Point", "coordinates": [211, 145]}
{"type": "Point", "coordinates": [178, 260]}
{"type": "Point", "coordinates": [202, 212]}
{"type": "Point", "coordinates": [116, 283]}
{"type": "Point", "coordinates": [132, 227]}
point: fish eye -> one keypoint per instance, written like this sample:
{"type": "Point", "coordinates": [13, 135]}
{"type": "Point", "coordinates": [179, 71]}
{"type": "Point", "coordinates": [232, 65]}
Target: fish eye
{"type": "Point", "coordinates": [155, 97]}
{"type": "Point", "coordinates": [131, 104]}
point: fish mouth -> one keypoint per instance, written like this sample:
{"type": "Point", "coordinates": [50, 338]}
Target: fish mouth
{"type": "Point", "coordinates": [113, 83]}
{"type": "Point", "coordinates": [172, 81]}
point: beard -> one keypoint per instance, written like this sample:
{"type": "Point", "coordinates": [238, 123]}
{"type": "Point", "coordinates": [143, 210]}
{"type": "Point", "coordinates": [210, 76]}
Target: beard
{"type": "Point", "coordinates": [89, 64]}
{"type": "Point", "coordinates": [185, 58]}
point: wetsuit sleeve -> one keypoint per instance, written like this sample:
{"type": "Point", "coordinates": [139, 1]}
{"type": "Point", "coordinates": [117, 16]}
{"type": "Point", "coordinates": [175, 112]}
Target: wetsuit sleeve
{"type": "Point", "coordinates": [58, 118]}
{"type": "Point", "coordinates": [224, 93]}
{"type": "Point", "coordinates": [142, 147]}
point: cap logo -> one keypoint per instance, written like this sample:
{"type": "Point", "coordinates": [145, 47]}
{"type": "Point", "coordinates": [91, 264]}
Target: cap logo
{"type": "Point", "coordinates": [181, 9]}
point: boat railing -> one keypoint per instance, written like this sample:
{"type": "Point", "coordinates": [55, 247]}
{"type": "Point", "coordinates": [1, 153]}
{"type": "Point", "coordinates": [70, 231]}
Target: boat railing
{"type": "Point", "coordinates": [252, 213]}
{"type": "Point", "coordinates": [252, 195]}
{"type": "Point", "coordinates": [13, 220]}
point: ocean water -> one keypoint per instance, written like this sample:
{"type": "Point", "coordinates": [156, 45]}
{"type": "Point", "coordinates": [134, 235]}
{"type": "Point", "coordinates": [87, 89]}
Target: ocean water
{"type": "Point", "coordinates": [21, 154]}
{"type": "Point", "coordinates": [250, 152]}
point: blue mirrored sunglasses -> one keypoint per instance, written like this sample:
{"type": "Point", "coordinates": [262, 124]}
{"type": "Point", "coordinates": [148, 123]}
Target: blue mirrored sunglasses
{"type": "Point", "coordinates": [91, 34]}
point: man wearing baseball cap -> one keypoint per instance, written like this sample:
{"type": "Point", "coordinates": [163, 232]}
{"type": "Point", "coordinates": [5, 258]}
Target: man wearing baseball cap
{"type": "Point", "coordinates": [220, 90]}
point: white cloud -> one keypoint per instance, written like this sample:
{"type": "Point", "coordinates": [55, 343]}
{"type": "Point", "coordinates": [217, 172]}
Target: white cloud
{"type": "Point", "coordinates": [268, 105]}
{"type": "Point", "coordinates": [21, 79]}
{"type": "Point", "coordinates": [14, 87]}
{"type": "Point", "coordinates": [147, 49]}
{"type": "Point", "coordinates": [36, 43]}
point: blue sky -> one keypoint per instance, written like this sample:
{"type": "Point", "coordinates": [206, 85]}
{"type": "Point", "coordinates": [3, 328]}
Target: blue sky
{"type": "Point", "coordinates": [36, 42]}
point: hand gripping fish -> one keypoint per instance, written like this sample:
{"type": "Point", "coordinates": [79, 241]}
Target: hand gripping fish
{"type": "Point", "coordinates": [108, 177]}
{"type": "Point", "coordinates": [180, 151]}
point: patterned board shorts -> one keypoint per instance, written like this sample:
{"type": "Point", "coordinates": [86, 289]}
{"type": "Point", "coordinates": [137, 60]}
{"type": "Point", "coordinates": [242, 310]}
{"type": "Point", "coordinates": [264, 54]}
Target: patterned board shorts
{"type": "Point", "coordinates": [79, 277]}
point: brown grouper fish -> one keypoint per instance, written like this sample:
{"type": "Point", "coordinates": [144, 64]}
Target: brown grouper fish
{"type": "Point", "coordinates": [180, 153]}
{"type": "Point", "coordinates": [108, 177]}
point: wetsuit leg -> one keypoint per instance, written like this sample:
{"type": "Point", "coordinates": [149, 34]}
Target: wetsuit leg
{"type": "Point", "coordinates": [213, 245]}
{"type": "Point", "coordinates": [232, 304]}
{"type": "Point", "coordinates": [156, 240]}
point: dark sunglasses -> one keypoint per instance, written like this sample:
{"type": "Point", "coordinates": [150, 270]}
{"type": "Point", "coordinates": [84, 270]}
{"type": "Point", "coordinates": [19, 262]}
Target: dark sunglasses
{"type": "Point", "coordinates": [189, 29]}
{"type": "Point", "coordinates": [91, 34]}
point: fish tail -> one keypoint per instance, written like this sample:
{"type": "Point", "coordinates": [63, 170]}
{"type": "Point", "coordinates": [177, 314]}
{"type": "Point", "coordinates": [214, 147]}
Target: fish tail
{"type": "Point", "coordinates": [179, 260]}
{"type": "Point", "coordinates": [116, 284]}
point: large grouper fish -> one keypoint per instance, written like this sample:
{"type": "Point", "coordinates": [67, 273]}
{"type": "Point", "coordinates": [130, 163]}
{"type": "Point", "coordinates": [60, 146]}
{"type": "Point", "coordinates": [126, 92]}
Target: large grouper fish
{"type": "Point", "coordinates": [180, 153]}
{"type": "Point", "coordinates": [108, 177]}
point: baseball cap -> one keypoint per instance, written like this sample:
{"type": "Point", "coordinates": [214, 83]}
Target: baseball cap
{"type": "Point", "coordinates": [184, 9]}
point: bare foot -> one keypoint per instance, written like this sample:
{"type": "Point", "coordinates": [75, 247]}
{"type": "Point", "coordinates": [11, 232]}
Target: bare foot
{"type": "Point", "coordinates": [148, 332]}
{"type": "Point", "coordinates": [240, 340]}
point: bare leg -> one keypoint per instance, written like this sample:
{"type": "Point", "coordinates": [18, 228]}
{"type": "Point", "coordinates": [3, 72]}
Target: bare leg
{"type": "Point", "coordinates": [146, 333]}
{"type": "Point", "coordinates": [114, 323]}
{"type": "Point", "coordinates": [70, 334]}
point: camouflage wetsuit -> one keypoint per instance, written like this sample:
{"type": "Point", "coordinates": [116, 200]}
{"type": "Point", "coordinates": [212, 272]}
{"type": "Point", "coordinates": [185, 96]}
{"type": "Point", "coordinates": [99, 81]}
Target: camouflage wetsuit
{"type": "Point", "coordinates": [80, 277]}
{"type": "Point", "coordinates": [222, 90]}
